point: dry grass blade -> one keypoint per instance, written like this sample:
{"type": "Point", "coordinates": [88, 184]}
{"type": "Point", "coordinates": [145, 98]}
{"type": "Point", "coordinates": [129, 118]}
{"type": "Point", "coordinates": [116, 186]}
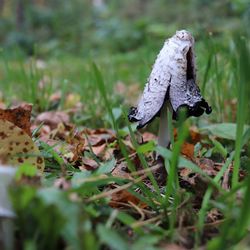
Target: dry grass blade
{"type": "Point", "coordinates": [156, 220]}
{"type": "Point", "coordinates": [113, 191]}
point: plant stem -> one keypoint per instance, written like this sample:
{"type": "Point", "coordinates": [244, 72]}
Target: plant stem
{"type": "Point", "coordinates": [164, 135]}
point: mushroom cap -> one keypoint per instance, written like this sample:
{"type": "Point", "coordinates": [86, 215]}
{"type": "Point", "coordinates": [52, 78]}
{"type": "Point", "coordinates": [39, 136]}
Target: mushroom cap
{"type": "Point", "coordinates": [173, 79]}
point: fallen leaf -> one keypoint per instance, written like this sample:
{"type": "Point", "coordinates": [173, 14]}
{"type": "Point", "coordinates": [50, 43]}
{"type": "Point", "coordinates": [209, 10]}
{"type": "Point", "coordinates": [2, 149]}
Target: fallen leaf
{"type": "Point", "coordinates": [99, 150]}
{"type": "Point", "coordinates": [19, 116]}
{"type": "Point", "coordinates": [109, 153]}
{"type": "Point", "coordinates": [94, 140]}
{"type": "Point", "coordinates": [207, 166]}
{"type": "Point", "coordinates": [148, 137]}
{"type": "Point", "coordinates": [17, 148]}
{"type": "Point", "coordinates": [195, 136]}
{"type": "Point", "coordinates": [121, 171]}
{"type": "Point", "coordinates": [88, 164]}
{"type": "Point", "coordinates": [187, 149]}
{"type": "Point", "coordinates": [125, 196]}
{"type": "Point", "coordinates": [52, 118]}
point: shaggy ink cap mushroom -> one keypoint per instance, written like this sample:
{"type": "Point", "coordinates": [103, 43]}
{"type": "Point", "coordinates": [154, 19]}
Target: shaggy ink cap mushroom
{"type": "Point", "coordinates": [172, 80]}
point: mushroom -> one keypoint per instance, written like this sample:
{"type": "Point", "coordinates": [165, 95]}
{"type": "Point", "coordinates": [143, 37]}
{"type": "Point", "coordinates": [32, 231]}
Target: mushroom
{"type": "Point", "coordinates": [171, 86]}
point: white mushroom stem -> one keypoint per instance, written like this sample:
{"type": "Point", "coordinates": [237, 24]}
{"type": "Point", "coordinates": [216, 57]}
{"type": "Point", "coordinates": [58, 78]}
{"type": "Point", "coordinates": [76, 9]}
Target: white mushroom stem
{"type": "Point", "coordinates": [6, 213]}
{"type": "Point", "coordinates": [164, 134]}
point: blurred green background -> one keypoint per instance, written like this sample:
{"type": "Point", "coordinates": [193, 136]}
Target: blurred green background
{"type": "Point", "coordinates": [48, 46]}
{"type": "Point", "coordinates": [84, 27]}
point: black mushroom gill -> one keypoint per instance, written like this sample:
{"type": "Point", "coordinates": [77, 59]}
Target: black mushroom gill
{"type": "Point", "coordinates": [194, 103]}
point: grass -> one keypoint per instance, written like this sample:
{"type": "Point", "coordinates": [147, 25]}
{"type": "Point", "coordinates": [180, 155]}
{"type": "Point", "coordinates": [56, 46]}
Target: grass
{"type": "Point", "coordinates": [82, 217]}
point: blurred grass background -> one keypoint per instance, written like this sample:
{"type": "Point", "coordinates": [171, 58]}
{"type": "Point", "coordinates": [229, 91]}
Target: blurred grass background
{"type": "Point", "coordinates": [84, 27]}
{"type": "Point", "coordinates": [47, 47]}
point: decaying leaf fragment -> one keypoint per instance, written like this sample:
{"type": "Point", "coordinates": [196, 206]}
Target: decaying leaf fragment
{"type": "Point", "coordinates": [17, 147]}
{"type": "Point", "coordinates": [20, 116]}
{"type": "Point", "coordinates": [172, 80]}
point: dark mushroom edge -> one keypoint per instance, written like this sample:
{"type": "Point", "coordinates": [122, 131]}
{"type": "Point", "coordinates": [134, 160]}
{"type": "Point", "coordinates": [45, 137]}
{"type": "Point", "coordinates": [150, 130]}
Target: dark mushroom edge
{"type": "Point", "coordinates": [197, 110]}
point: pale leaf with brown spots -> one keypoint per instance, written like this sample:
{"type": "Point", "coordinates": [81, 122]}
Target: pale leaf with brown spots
{"type": "Point", "coordinates": [16, 147]}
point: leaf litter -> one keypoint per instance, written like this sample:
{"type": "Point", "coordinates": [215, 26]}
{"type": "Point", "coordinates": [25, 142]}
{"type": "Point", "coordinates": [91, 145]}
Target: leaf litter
{"type": "Point", "coordinates": [88, 149]}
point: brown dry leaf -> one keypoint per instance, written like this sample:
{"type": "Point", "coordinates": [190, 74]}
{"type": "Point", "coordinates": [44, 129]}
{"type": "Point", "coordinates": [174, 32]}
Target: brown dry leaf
{"type": "Point", "coordinates": [194, 134]}
{"type": "Point", "coordinates": [88, 164]}
{"type": "Point", "coordinates": [52, 118]}
{"type": "Point", "coordinates": [124, 196]}
{"type": "Point", "coordinates": [121, 171]}
{"type": "Point", "coordinates": [58, 146]}
{"type": "Point", "coordinates": [109, 152]}
{"type": "Point", "coordinates": [99, 136]}
{"type": "Point", "coordinates": [19, 116]}
{"type": "Point", "coordinates": [16, 147]}
{"type": "Point", "coordinates": [101, 131]}
{"type": "Point", "coordinates": [207, 166]}
{"type": "Point", "coordinates": [94, 140]}
{"type": "Point", "coordinates": [187, 149]}
{"type": "Point", "coordinates": [99, 150]}
{"type": "Point", "coordinates": [148, 137]}
{"type": "Point", "coordinates": [195, 181]}
{"type": "Point", "coordinates": [187, 176]}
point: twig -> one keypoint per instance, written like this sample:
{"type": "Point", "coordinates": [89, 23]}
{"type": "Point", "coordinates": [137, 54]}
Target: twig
{"type": "Point", "coordinates": [113, 191]}
{"type": "Point", "coordinates": [138, 209]}
{"type": "Point", "coordinates": [211, 224]}
{"type": "Point", "coordinates": [123, 159]}
{"type": "Point", "coordinates": [145, 222]}
{"type": "Point", "coordinates": [226, 179]}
